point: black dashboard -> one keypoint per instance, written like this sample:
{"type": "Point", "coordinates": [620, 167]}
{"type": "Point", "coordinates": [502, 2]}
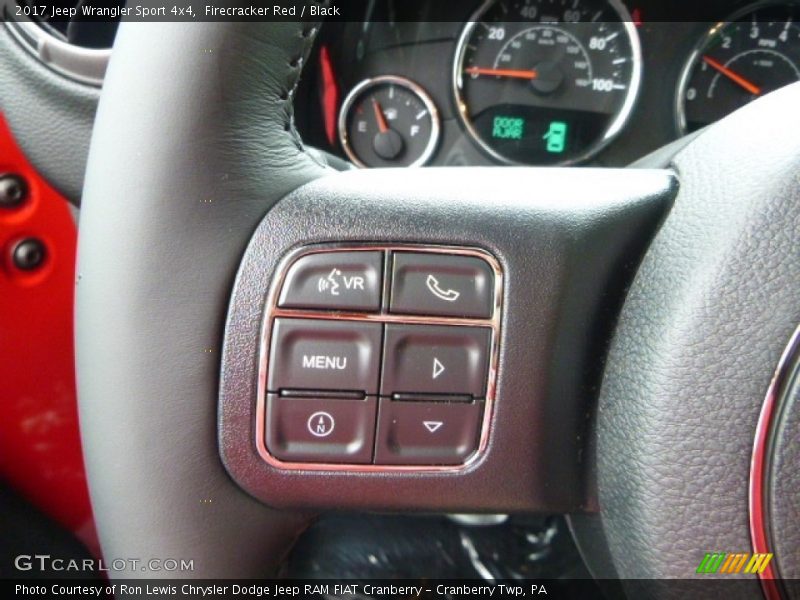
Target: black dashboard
{"type": "Point", "coordinates": [542, 82]}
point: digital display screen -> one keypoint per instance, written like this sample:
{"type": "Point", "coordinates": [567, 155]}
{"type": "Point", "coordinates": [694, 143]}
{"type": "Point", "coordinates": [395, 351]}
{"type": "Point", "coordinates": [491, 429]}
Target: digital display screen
{"type": "Point", "coordinates": [538, 135]}
{"type": "Point", "coordinates": [508, 128]}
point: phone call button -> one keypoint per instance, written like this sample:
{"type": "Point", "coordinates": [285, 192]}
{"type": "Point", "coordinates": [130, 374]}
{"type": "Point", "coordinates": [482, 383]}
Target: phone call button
{"type": "Point", "coordinates": [435, 359]}
{"type": "Point", "coordinates": [441, 285]}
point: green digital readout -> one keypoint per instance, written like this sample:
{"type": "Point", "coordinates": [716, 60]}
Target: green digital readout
{"type": "Point", "coordinates": [508, 128]}
{"type": "Point", "coordinates": [556, 137]}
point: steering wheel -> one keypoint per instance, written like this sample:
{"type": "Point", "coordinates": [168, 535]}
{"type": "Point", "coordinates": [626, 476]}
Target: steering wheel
{"type": "Point", "coordinates": [197, 188]}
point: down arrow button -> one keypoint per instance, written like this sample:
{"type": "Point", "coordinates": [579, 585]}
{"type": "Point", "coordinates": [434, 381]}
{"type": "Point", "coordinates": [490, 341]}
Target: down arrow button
{"type": "Point", "coordinates": [419, 432]}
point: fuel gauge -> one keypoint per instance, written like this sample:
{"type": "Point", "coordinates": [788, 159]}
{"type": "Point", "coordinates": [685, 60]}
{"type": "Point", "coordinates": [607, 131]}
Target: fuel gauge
{"type": "Point", "coordinates": [388, 121]}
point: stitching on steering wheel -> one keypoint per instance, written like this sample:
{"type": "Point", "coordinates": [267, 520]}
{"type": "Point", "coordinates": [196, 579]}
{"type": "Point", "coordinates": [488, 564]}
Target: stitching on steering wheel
{"type": "Point", "coordinates": [307, 36]}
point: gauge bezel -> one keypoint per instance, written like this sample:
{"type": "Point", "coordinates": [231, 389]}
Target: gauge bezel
{"type": "Point", "coordinates": [611, 132]}
{"type": "Point", "coordinates": [691, 61]}
{"type": "Point", "coordinates": [411, 86]}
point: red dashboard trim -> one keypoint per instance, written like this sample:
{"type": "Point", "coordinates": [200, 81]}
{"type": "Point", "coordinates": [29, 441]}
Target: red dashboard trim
{"type": "Point", "coordinates": [330, 94]}
{"type": "Point", "coordinates": [40, 447]}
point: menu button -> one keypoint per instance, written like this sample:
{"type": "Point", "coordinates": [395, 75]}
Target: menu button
{"type": "Point", "coordinates": [311, 354]}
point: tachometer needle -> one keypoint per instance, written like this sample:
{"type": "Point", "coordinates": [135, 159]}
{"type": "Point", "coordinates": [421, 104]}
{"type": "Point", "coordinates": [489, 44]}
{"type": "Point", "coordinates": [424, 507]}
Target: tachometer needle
{"type": "Point", "coordinates": [383, 126]}
{"type": "Point", "coordinates": [732, 75]}
{"type": "Point", "coordinates": [513, 73]}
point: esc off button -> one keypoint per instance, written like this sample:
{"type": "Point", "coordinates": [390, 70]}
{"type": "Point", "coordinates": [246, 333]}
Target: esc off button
{"type": "Point", "coordinates": [334, 281]}
{"type": "Point", "coordinates": [313, 354]}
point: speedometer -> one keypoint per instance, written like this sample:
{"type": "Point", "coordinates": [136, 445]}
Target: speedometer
{"type": "Point", "coordinates": [546, 81]}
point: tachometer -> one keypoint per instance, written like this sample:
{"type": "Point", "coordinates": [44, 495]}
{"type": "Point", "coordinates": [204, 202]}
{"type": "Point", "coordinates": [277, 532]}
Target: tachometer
{"type": "Point", "coordinates": [755, 52]}
{"type": "Point", "coordinates": [546, 81]}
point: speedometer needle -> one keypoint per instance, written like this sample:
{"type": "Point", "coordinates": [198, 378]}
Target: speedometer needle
{"type": "Point", "coordinates": [513, 73]}
{"type": "Point", "coordinates": [383, 126]}
{"type": "Point", "coordinates": [732, 75]}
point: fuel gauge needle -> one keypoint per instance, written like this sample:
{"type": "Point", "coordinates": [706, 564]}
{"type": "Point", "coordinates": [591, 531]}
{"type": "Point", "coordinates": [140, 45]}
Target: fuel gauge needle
{"type": "Point", "coordinates": [732, 75]}
{"type": "Point", "coordinates": [383, 126]}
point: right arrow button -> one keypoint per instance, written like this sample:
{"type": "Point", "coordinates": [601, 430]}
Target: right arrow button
{"type": "Point", "coordinates": [435, 359]}
{"type": "Point", "coordinates": [427, 433]}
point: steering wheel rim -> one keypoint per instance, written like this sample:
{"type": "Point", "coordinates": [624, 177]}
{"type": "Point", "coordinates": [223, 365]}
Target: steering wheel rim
{"type": "Point", "coordinates": [698, 342]}
{"type": "Point", "coordinates": [209, 148]}
{"type": "Point", "coordinates": [177, 182]}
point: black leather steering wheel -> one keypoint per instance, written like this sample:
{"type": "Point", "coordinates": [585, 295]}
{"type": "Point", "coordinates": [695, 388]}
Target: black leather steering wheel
{"type": "Point", "coordinates": [194, 145]}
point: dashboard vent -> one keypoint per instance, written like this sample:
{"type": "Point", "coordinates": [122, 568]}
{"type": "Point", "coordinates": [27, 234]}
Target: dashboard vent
{"type": "Point", "coordinates": [66, 42]}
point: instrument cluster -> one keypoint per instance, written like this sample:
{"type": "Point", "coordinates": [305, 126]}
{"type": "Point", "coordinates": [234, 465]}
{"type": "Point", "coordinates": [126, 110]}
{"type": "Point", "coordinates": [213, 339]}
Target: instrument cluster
{"type": "Point", "coordinates": [540, 82]}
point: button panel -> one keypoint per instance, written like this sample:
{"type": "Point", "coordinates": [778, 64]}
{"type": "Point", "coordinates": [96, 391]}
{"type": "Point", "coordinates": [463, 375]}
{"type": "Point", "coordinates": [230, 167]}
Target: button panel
{"type": "Point", "coordinates": [379, 358]}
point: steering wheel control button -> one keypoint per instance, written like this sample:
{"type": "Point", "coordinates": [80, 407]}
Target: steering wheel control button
{"type": "Point", "coordinates": [321, 430]}
{"type": "Point", "coordinates": [435, 359]}
{"type": "Point", "coordinates": [315, 354]}
{"type": "Point", "coordinates": [351, 331]}
{"type": "Point", "coordinates": [441, 285]}
{"type": "Point", "coordinates": [427, 433]}
{"type": "Point", "coordinates": [349, 281]}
